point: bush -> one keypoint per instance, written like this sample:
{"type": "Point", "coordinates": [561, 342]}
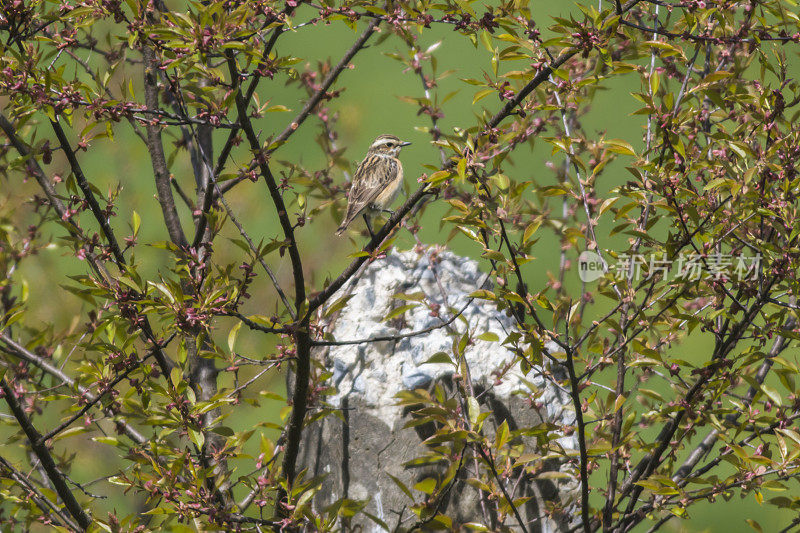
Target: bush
{"type": "Point", "coordinates": [128, 331]}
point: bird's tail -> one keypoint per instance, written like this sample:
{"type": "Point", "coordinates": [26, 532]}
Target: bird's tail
{"type": "Point", "coordinates": [343, 227]}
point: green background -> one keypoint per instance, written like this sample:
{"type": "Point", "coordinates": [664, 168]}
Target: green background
{"type": "Point", "coordinates": [370, 104]}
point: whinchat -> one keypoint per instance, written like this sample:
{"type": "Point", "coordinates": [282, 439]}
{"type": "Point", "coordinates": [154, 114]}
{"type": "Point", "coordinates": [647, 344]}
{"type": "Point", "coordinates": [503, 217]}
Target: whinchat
{"type": "Point", "coordinates": [377, 180]}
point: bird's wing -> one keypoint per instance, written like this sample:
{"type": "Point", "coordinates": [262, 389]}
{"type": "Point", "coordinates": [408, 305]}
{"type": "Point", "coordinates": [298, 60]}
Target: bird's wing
{"type": "Point", "coordinates": [373, 174]}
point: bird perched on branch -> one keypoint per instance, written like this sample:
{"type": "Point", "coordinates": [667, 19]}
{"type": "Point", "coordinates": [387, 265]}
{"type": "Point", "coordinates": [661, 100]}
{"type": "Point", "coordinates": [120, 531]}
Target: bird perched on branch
{"type": "Point", "coordinates": [376, 182]}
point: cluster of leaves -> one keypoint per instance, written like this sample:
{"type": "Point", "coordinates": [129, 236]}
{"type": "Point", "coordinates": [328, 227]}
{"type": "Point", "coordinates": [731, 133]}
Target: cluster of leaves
{"type": "Point", "coordinates": [143, 370]}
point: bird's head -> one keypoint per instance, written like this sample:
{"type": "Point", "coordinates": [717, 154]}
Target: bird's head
{"type": "Point", "coordinates": [387, 145]}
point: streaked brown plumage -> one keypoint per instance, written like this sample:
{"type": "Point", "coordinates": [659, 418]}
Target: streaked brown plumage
{"type": "Point", "coordinates": [377, 180]}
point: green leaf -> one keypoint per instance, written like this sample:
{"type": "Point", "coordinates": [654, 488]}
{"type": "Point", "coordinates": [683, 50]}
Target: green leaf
{"type": "Point", "coordinates": [427, 485]}
{"type": "Point", "coordinates": [439, 357]}
{"type": "Point", "coordinates": [137, 222]}
{"type": "Point", "coordinates": [501, 437]}
{"type": "Point", "coordinates": [232, 335]}
{"type": "Point", "coordinates": [755, 525]}
{"type": "Point", "coordinates": [474, 410]}
{"type": "Point", "coordinates": [70, 432]}
{"type": "Point", "coordinates": [338, 304]}
{"type": "Point", "coordinates": [399, 311]}
{"type": "Point", "coordinates": [486, 41]}
{"type": "Point", "coordinates": [402, 486]}
{"type": "Point", "coordinates": [619, 146]}
{"type": "Point", "coordinates": [772, 394]}
{"type": "Point", "coordinates": [531, 229]}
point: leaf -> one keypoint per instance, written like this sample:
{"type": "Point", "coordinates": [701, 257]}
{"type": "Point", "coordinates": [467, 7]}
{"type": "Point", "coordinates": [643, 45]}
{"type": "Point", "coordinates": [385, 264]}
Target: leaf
{"type": "Point", "coordinates": [791, 434]}
{"type": "Point", "coordinates": [531, 230]}
{"type": "Point", "coordinates": [438, 177]}
{"type": "Point", "coordinates": [486, 41]}
{"type": "Point", "coordinates": [619, 146]}
{"type": "Point", "coordinates": [232, 335]}
{"type": "Point", "coordinates": [461, 168]}
{"type": "Point", "coordinates": [338, 304]}
{"type": "Point", "coordinates": [502, 435]}
{"type": "Point", "coordinates": [197, 437]}
{"type": "Point", "coordinates": [666, 48]}
{"type": "Point", "coordinates": [427, 485]}
{"type": "Point", "coordinates": [225, 431]}
{"type": "Point", "coordinates": [473, 409]}
{"type": "Point", "coordinates": [70, 432]}
{"type": "Point", "coordinates": [619, 402]}
{"type": "Point", "coordinates": [439, 357]}
{"type": "Point", "coordinates": [112, 441]}
{"type": "Point", "coordinates": [654, 82]}
{"type": "Point", "coordinates": [474, 526]}
{"type": "Point", "coordinates": [410, 297]}
{"type": "Point", "coordinates": [772, 394]}
{"type": "Point", "coordinates": [493, 255]}
{"type": "Point", "coordinates": [480, 95]}
{"type": "Point", "coordinates": [399, 311]}
{"type": "Point", "coordinates": [755, 525]}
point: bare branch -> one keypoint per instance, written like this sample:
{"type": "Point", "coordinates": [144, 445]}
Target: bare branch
{"type": "Point", "coordinates": [156, 150]}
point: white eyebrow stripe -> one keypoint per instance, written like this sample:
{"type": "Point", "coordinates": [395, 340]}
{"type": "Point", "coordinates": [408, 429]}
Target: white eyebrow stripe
{"type": "Point", "coordinates": [382, 142]}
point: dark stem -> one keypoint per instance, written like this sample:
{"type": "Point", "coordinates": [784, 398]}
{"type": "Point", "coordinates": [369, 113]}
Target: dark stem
{"type": "Point", "coordinates": [301, 336]}
{"type": "Point", "coordinates": [156, 149]}
{"type": "Point", "coordinates": [45, 458]}
{"type": "Point", "coordinates": [41, 501]}
{"type": "Point", "coordinates": [575, 394]}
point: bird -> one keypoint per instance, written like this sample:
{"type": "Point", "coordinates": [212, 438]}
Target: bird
{"type": "Point", "coordinates": [377, 180]}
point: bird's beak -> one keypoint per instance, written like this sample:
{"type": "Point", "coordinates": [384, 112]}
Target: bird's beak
{"type": "Point", "coordinates": [405, 143]}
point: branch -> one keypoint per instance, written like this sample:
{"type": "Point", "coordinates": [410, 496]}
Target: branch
{"type": "Point", "coordinates": [490, 461]}
{"type": "Point", "coordinates": [156, 150]}
{"type": "Point", "coordinates": [208, 198]}
{"type": "Point", "coordinates": [398, 337]}
{"type": "Point", "coordinates": [708, 442]}
{"type": "Point", "coordinates": [255, 325]}
{"type": "Point", "coordinates": [575, 394]}
{"type": "Point", "coordinates": [321, 297]}
{"type": "Point", "coordinates": [313, 101]}
{"type": "Point", "coordinates": [648, 464]}
{"type": "Point", "coordinates": [37, 171]}
{"type": "Point", "coordinates": [40, 499]}
{"type": "Point", "coordinates": [258, 256]}
{"type": "Point", "coordinates": [14, 349]}
{"type": "Point", "coordinates": [92, 402]}
{"type": "Point", "coordinates": [51, 194]}
{"type": "Point", "coordinates": [301, 335]}
{"type": "Point", "coordinates": [83, 183]}
{"type": "Point", "coordinates": [326, 84]}
{"type": "Point", "coordinates": [544, 74]}
{"type": "Point", "coordinates": [44, 456]}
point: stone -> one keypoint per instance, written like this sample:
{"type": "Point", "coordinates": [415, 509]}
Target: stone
{"type": "Point", "coordinates": [359, 451]}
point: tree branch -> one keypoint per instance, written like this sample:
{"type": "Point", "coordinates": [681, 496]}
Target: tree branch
{"type": "Point", "coordinates": [44, 456]}
{"type": "Point", "coordinates": [14, 349]}
{"type": "Point", "coordinates": [36, 495]}
{"type": "Point", "coordinates": [301, 335]}
{"type": "Point", "coordinates": [156, 150]}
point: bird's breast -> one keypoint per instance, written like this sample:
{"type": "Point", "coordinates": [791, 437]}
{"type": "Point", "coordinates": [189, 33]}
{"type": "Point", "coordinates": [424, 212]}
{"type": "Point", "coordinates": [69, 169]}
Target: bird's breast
{"type": "Point", "coordinates": [390, 191]}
